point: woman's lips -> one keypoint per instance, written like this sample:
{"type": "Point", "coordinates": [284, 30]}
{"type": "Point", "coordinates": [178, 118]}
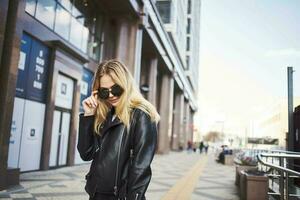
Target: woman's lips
{"type": "Point", "coordinates": [113, 101]}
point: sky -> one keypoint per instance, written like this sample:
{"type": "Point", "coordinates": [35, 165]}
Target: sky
{"type": "Point", "coordinates": [245, 49]}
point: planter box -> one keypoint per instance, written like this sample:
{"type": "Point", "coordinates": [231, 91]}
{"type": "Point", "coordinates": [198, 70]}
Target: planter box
{"type": "Point", "coordinates": [253, 187]}
{"type": "Point", "coordinates": [239, 168]}
{"type": "Point", "coordinates": [228, 159]}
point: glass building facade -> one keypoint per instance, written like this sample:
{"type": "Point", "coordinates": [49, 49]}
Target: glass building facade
{"type": "Point", "coordinates": [73, 20]}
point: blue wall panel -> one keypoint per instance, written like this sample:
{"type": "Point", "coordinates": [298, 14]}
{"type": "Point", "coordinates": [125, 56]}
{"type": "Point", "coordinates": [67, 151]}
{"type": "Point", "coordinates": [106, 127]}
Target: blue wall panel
{"type": "Point", "coordinates": [86, 86]}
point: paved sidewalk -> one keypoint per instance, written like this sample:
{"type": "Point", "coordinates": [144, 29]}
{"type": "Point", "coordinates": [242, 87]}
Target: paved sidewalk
{"type": "Point", "coordinates": [168, 170]}
{"type": "Point", "coordinates": [215, 181]}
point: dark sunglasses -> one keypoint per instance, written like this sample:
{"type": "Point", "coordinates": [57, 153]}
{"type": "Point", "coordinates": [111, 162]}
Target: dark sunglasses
{"type": "Point", "coordinates": [115, 90]}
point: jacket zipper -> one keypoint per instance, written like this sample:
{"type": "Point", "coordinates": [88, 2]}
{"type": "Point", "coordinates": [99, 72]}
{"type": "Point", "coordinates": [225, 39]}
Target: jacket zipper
{"type": "Point", "coordinates": [131, 156]}
{"type": "Point", "coordinates": [118, 160]}
{"type": "Point", "coordinates": [136, 196]}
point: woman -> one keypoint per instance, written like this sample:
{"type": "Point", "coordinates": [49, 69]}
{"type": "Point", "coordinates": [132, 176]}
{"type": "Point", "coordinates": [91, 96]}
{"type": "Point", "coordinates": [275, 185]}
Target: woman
{"type": "Point", "coordinates": [118, 133]}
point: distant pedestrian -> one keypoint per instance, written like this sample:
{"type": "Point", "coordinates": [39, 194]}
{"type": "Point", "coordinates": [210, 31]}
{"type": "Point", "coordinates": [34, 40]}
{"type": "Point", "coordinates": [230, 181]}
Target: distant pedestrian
{"type": "Point", "coordinates": [201, 146]}
{"type": "Point", "coordinates": [180, 147]}
{"type": "Point", "coordinates": [189, 146]}
{"type": "Point", "coordinates": [194, 147]}
{"type": "Point", "coordinates": [206, 148]}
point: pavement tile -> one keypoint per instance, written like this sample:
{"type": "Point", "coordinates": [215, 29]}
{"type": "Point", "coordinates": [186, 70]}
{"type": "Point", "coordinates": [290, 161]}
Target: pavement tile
{"type": "Point", "coordinates": [68, 182]}
{"type": "Point", "coordinates": [21, 195]}
{"type": "Point", "coordinates": [216, 182]}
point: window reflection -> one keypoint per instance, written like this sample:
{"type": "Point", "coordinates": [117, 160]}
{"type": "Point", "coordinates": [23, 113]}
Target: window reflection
{"type": "Point", "coordinates": [76, 22]}
{"type": "Point", "coordinates": [95, 43]}
{"type": "Point", "coordinates": [96, 49]}
{"type": "Point", "coordinates": [75, 12]}
{"type": "Point", "coordinates": [98, 25]}
{"type": "Point", "coordinates": [164, 9]}
{"type": "Point", "coordinates": [62, 22]}
{"type": "Point", "coordinates": [187, 62]}
{"type": "Point", "coordinates": [76, 33]}
{"type": "Point", "coordinates": [45, 12]}
{"type": "Point", "coordinates": [188, 43]}
{"type": "Point", "coordinates": [66, 4]}
{"type": "Point", "coordinates": [188, 28]}
{"type": "Point", "coordinates": [30, 7]}
{"type": "Point", "coordinates": [85, 37]}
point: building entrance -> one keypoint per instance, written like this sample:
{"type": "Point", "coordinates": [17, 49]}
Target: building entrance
{"type": "Point", "coordinates": [61, 121]}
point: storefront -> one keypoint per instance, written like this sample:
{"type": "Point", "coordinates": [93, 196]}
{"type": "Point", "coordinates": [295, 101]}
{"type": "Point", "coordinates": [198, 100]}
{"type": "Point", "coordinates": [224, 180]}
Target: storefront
{"type": "Point", "coordinates": [51, 54]}
{"type": "Point", "coordinates": [29, 106]}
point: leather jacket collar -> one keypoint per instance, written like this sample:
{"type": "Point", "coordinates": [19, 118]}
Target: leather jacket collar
{"type": "Point", "coordinates": [108, 123]}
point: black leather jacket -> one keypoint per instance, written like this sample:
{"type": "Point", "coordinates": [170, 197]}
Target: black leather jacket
{"type": "Point", "coordinates": [120, 160]}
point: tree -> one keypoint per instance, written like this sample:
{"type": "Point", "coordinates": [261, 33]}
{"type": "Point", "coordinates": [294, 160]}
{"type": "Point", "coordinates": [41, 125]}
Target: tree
{"type": "Point", "coordinates": [213, 136]}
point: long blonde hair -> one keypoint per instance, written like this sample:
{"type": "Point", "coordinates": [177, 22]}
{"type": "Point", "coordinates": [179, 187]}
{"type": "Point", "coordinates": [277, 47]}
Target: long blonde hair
{"type": "Point", "coordinates": [130, 99]}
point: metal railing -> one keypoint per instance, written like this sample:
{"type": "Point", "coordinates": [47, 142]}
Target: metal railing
{"type": "Point", "coordinates": [279, 166]}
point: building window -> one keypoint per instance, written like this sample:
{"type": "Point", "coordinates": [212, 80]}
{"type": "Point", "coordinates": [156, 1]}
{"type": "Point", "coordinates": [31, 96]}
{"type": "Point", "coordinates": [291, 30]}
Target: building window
{"type": "Point", "coordinates": [62, 22]}
{"type": "Point", "coordinates": [189, 6]}
{"type": "Point", "coordinates": [30, 7]}
{"type": "Point", "coordinates": [76, 32]}
{"type": "Point", "coordinates": [66, 4]}
{"type": "Point", "coordinates": [187, 62]}
{"type": "Point", "coordinates": [164, 9]}
{"type": "Point", "coordinates": [94, 45]}
{"type": "Point", "coordinates": [75, 11]}
{"type": "Point", "coordinates": [85, 38]}
{"type": "Point", "coordinates": [188, 28]}
{"type": "Point", "coordinates": [45, 12]}
{"type": "Point", "coordinates": [75, 21]}
{"type": "Point", "coordinates": [188, 43]}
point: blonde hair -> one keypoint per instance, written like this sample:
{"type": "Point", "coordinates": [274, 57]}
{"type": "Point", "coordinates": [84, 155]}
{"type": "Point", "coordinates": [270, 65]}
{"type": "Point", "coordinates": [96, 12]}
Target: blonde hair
{"type": "Point", "coordinates": [130, 99]}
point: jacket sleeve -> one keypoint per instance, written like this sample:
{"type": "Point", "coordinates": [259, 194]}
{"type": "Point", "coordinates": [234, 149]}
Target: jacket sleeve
{"type": "Point", "coordinates": [86, 137]}
{"type": "Point", "coordinates": [145, 139]}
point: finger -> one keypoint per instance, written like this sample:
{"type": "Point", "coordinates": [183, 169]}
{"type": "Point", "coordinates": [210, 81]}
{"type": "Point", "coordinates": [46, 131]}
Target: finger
{"type": "Point", "coordinates": [85, 102]}
{"type": "Point", "coordinates": [88, 103]}
{"type": "Point", "coordinates": [95, 94]}
{"type": "Point", "coordinates": [91, 103]}
{"type": "Point", "coordinates": [94, 100]}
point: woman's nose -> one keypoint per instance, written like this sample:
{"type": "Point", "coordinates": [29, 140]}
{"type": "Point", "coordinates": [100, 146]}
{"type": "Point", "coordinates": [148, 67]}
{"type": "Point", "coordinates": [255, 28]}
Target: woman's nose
{"type": "Point", "coordinates": [110, 94]}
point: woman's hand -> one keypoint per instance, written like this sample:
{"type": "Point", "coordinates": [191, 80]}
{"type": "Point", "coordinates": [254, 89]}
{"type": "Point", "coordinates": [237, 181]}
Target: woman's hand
{"type": "Point", "coordinates": [90, 104]}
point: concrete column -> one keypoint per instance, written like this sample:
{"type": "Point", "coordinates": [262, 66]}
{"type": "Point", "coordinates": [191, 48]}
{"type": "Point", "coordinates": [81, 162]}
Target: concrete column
{"type": "Point", "coordinates": [186, 123]}
{"type": "Point", "coordinates": [191, 123]}
{"type": "Point", "coordinates": [178, 125]}
{"type": "Point", "coordinates": [149, 77]}
{"type": "Point", "coordinates": [144, 74]}
{"type": "Point", "coordinates": [165, 109]}
{"type": "Point", "coordinates": [123, 40]}
{"type": "Point", "coordinates": [129, 45]}
{"type": "Point", "coordinates": [152, 82]}
{"type": "Point", "coordinates": [3, 15]}
{"type": "Point", "coordinates": [8, 80]}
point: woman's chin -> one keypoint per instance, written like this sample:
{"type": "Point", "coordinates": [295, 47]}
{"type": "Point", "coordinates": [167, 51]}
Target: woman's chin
{"type": "Point", "coordinates": [114, 103]}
